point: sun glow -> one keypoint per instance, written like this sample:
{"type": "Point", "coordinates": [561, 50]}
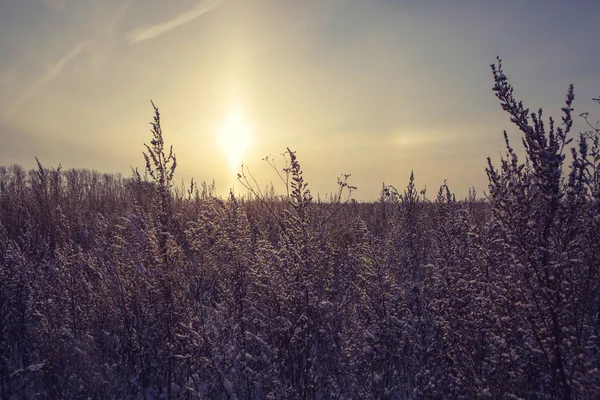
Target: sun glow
{"type": "Point", "coordinates": [235, 138]}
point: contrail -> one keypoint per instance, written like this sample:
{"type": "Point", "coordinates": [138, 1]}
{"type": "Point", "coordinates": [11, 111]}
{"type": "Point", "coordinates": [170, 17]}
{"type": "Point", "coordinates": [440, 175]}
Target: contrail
{"type": "Point", "coordinates": [51, 72]}
{"type": "Point", "coordinates": [139, 35]}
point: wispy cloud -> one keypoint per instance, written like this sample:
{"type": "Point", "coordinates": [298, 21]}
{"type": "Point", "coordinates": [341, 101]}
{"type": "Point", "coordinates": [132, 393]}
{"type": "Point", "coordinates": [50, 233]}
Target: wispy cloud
{"type": "Point", "coordinates": [51, 72]}
{"type": "Point", "coordinates": [150, 32]}
{"type": "Point", "coordinates": [105, 35]}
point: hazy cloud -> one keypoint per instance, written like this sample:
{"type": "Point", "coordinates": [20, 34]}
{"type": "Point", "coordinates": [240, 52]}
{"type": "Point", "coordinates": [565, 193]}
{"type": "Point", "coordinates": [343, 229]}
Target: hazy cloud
{"type": "Point", "coordinates": [153, 31]}
{"type": "Point", "coordinates": [56, 4]}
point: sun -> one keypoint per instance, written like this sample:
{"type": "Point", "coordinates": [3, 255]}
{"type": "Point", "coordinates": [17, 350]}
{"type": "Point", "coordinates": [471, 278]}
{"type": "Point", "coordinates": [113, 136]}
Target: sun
{"type": "Point", "coordinates": [235, 138]}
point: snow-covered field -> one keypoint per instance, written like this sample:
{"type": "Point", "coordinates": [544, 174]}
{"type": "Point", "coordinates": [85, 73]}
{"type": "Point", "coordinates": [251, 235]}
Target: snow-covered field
{"type": "Point", "coordinates": [115, 288]}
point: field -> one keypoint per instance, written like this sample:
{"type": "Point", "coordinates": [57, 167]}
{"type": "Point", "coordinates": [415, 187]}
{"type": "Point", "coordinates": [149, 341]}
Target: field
{"type": "Point", "coordinates": [130, 288]}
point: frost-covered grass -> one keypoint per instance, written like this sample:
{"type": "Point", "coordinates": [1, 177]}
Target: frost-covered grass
{"type": "Point", "coordinates": [130, 288]}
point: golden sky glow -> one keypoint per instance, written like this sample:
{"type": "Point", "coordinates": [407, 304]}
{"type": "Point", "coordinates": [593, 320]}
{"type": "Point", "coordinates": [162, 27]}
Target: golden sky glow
{"type": "Point", "coordinates": [235, 138]}
{"type": "Point", "coordinates": [372, 88]}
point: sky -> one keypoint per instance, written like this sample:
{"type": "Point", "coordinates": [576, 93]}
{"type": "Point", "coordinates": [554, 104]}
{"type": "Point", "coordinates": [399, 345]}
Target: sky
{"type": "Point", "coordinates": [372, 88]}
